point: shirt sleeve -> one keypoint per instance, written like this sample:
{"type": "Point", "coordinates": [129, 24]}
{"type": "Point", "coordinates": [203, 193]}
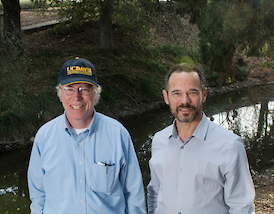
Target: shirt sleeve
{"type": "Point", "coordinates": [152, 188]}
{"type": "Point", "coordinates": [152, 191]}
{"type": "Point", "coordinates": [131, 180]}
{"type": "Point", "coordinates": [239, 190]}
{"type": "Point", "coordinates": [35, 181]}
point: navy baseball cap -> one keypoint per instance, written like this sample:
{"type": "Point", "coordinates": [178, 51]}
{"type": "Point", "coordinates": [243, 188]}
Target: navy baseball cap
{"type": "Point", "coordinates": [78, 70]}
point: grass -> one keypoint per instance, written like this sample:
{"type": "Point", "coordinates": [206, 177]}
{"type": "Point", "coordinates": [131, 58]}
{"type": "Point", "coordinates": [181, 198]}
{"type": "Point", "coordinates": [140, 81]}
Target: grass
{"type": "Point", "coordinates": [132, 76]}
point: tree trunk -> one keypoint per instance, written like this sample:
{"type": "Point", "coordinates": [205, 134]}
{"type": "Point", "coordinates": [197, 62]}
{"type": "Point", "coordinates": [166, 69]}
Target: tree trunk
{"type": "Point", "coordinates": [106, 42]}
{"type": "Point", "coordinates": [12, 24]}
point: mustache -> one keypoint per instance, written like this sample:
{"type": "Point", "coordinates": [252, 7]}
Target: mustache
{"type": "Point", "coordinates": [185, 106]}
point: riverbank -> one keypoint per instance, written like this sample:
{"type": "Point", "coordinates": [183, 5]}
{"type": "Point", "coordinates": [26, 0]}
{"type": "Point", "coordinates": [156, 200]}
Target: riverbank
{"type": "Point", "coordinates": [129, 78]}
{"type": "Point", "coordinates": [256, 77]}
{"type": "Point", "coordinates": [264, 181]}
{"type": "Point", "coordinates": [264, 185]}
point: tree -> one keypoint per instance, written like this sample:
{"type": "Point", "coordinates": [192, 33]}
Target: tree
{"type": "Point", "coordinates": [106, 16]}
{"type": "Point", "coordinates": [227, 26]}
{"type": "Point", "coordinates": [103, 11]}
{"type": "Point", "coordinates": [11, 24]}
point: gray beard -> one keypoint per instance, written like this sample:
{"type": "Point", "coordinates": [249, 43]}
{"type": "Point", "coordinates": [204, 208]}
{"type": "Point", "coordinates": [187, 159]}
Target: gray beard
{"type": "Point", "coordinates": [186, 119]}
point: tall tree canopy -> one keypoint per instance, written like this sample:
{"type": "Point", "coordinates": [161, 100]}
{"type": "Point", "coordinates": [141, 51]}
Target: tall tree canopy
{"type": "Point", "coordinates": [227, 26]}
{"type": "Point", "coordinates": [79, 11]}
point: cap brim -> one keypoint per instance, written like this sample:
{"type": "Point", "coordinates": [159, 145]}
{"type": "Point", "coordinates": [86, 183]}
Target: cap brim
{"type": "Point", "coordinates": [76, 81]}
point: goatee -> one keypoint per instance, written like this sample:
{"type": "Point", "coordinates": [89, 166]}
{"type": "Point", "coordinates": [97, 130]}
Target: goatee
{"type": "Point", "coordinates": [186, 118]}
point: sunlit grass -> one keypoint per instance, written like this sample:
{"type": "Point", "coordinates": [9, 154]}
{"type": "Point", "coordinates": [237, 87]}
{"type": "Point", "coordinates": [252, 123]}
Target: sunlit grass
{"type": "Point", "coordinates": [23, 4]}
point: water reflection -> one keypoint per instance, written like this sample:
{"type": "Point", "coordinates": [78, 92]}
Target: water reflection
{"type": "Point", "coordinates": [13, 186]}
{"type": "Point", "coordinates": [255, 125]}
{"type": "Point", "coordinates": [248, 113]}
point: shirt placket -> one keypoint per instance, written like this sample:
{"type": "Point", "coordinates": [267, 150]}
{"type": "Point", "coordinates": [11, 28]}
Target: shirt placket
{"type": "Point", "coordinates": [81, 181]}
{"type": "Point", "coordinates": [180, 176]}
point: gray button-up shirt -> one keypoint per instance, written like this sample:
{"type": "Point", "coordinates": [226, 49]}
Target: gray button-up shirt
{"type": "Point", "coordinates": [207, 174]}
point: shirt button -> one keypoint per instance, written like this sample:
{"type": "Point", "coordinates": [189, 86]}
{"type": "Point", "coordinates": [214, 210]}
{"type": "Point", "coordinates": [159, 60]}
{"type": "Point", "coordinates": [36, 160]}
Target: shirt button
{"type": "Point", "coordinates": [81, 181]}
{"type": "Point", "coordinates": [80, 162]}
{"type": "Point", "coordinates": [81, 200]}
{"type": "Point", "coordinates": [180, 169]}
{"type": "Point", "coordinates": [179, 191]}
{"type": "Point", "coordinates": [80, 144]}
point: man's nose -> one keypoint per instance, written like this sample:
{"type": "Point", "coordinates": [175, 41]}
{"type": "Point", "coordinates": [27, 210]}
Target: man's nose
{"type": "Point", "coordinates": [185, 98]}
{"type": "Point", "coordinates": [77, 94]}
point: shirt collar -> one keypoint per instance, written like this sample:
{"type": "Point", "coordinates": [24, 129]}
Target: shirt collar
{"type": "Point", "coordinates": [200, 131]}
{"type": "Point", "coordinates": [90, 128]}
{"type": "Point", "coordinates": [174, 132]}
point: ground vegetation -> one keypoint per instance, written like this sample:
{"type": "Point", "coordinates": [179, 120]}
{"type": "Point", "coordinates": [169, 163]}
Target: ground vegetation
{"type": "Point", "coordinates": [131, 76]}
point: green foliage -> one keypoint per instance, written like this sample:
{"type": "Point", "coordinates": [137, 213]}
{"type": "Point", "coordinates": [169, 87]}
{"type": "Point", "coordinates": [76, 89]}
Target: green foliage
{"type": "Point", "coordinates": [187, 59]}
{"type": "Point", "coordinates": [39, 3]}
{"type": "Point", "coordinates": [134, 73]}
{"type": "Point", "coordinates": [77, 13]}
{"type": "Point", "coordinates": [175, 52]}
{"type": "Point", "coordinates": [229, 25]}
{"type": "Point", "coordinates": [148, 87]}
{"type": "Point", "coordinates": [13, 68]}
{"type": "Point", "coordinates": [191, 7]}
{"type": "Point", "coordinates": [213, 78]}
{"type": "Point", "coordinates": [115, 87]}
{"type": "Point", "coordinates": [24, 106]}
{"type": "Point", "coordinates": [242, 73]}
{"type": "Point", "coordinates": [134, 21]}
{"type": "Point", "coordinates": [131, 16]}
{"type": "Point", "coordinates": [216, 48]}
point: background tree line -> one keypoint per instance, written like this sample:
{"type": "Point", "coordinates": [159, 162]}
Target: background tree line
{"type": "Point", "coordinates": [227, 27]}
{"type": "Point", "coordinates": [227, 32]}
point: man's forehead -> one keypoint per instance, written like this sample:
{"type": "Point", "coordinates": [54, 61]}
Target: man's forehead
{"type": "Point", "coordinates": [184, 80]}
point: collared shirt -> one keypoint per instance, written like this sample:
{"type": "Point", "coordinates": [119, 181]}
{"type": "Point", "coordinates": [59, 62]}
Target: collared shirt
{"type": "Point", "coordinates": [207, 174]}
{"type": "Point", "coordinates": [95, 172]}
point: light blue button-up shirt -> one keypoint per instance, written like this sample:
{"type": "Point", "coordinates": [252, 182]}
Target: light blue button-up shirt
{"type": "Point", "coordinates": [95, 172]}
{"type": "Point", "coordinates": [208, 174]}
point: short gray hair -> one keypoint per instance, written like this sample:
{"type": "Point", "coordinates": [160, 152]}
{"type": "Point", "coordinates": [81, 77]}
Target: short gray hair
{"type": "Point", "coordinates": [97, 90]}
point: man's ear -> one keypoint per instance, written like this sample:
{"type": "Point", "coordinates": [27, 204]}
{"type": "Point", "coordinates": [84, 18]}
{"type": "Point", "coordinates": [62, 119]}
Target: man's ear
{"type": "Point", "coordinates": [204, 95]}
{"type": "Point", "coordinates": [165, 94]}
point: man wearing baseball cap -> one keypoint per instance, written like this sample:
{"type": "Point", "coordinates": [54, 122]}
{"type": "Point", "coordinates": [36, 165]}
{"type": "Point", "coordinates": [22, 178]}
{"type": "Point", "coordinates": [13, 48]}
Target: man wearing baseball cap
{"type": "Point", "coordinates": [83, 162]}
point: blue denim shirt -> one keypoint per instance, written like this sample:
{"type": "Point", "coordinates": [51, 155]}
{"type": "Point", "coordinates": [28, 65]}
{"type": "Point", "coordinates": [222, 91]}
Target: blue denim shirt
{"type": "Point", "coordinates": [95, 172]}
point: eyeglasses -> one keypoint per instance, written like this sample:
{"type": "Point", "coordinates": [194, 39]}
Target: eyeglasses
{"type": "Point", "coordinates": [70, 90]}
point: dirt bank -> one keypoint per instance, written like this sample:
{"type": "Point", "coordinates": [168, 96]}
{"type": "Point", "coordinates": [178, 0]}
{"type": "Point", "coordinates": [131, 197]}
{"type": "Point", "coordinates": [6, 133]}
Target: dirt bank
{"type": "Point", "coordinates": [264, 182]}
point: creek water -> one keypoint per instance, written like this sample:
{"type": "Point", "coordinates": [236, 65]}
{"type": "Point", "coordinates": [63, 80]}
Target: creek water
{"type": "Point", "coordinates": [248, 113]}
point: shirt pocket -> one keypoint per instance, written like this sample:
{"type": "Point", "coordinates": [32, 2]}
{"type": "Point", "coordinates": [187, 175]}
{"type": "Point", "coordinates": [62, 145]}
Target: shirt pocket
{"type": "Point", "coordinates": [102, 178]}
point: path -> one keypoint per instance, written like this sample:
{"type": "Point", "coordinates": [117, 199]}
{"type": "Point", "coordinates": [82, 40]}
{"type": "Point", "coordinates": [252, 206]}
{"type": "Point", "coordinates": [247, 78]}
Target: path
{"type": "Point", "coordinates": [31, 19]}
